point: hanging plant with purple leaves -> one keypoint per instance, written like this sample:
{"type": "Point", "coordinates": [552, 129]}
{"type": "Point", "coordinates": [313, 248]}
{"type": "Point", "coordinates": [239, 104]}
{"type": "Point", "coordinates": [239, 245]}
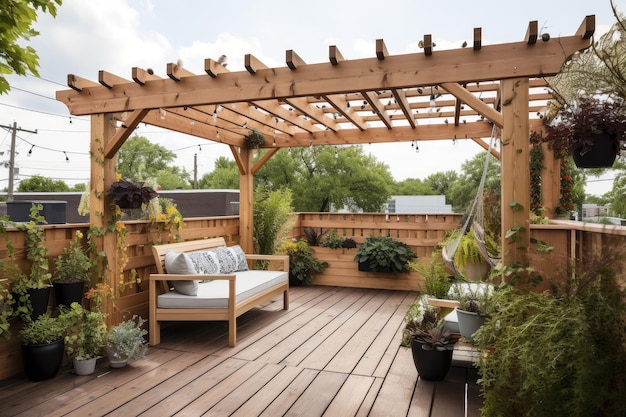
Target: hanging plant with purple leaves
{"type": "Point", "coordinates": [128, 194]}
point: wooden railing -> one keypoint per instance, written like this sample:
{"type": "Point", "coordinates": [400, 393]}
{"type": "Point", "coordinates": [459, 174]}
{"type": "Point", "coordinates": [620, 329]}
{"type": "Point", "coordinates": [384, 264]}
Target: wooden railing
{"type": "Point", "coordinates": [572, 240]}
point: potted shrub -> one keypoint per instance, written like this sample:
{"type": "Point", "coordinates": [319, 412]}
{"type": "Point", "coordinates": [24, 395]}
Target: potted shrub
{"type": "Point", "coordinates": [85, 337]}
{"type": "Point", "coordinates": [6, 309]}
{"type": "Point", "coordinates": [126, 341]}
{"type": "Point", "coordinates": [475, 305]}
{"type": "Point", "coordinates": [384, 254]}
{"type": "Point", "coordinates": [33, 290]}
{"type": "Point", "coordinates": [302, 264]}
{"type": "Point", "coordinates": [129, 194]}
{"type": "Point", "coordinates": [431, 344]}
{"type": "Point", "coordinates": [73, 271]}
{"type": "Point", "coordinates": [591, 129]}
{"type": "Point", "coordinates": [42, 347]}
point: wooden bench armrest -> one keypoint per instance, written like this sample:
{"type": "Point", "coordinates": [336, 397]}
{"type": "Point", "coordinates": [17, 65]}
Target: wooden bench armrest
{"type": "Point", "coordinates": [259, 257]}
{"type": "Point", "coordinates": [440, 302]}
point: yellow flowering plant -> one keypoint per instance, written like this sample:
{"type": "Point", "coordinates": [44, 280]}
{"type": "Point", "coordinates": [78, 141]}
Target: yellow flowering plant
{"type": "Point", "coordinates": [164, 216]}
{"type": "Point", "coordinates": [302, 263]}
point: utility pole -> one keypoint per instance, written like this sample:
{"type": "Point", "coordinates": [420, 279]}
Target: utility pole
{"type": "Point", "coordinates": [14, 128]}
{"type": "Point", "coordinates": [195, 171]}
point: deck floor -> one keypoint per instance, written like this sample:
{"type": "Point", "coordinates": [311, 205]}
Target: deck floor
{"type": "Point", "coordinates": [335, 352]}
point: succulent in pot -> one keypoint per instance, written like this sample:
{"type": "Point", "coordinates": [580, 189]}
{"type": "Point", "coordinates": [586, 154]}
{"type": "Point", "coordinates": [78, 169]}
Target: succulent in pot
{"type": "Point", "coordinates": [431, 344]}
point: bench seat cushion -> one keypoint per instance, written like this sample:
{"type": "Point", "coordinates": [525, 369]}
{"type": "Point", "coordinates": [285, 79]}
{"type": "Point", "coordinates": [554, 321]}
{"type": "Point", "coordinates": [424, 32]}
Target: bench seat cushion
{"type": "Point", "coordinates": [214, 294]}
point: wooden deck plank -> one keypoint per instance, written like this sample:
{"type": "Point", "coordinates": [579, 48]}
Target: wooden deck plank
{"type": "Point", "coordinates": [350, 336]}
{"type": "Point", "coordinates": [278, 344]}
{"type": "Point", "coordinates": [326, 351]}
{"type": "Point", "coordinates": [450, 394]}
{"type": "Point", "coordinates": [350, 396]}
{"type": "Point", "coordinates": [173, 402]}
{"type": "Point", "coordinates": [304, 349]}
{"type": "Point", "coordinates": [354, 350]}
{"type": "Point", "coordinates": [176, 382]}
{"type": "Point", "coordinates": [287, 397]}
{"type": "Point", "coordinates": [62, 395]}
{"type": "Point", "coordinates": [377, 360]}
{"type": "Point", "coordinates": [316, 398]}
{"type": "Point", "coordinates": [396, 393]}
{"type": "Point", "coordinates": [266, 395]}
{"type": "Point", "coordinates": [243, 391]}
{"type": "Point", "coordinates": [422, 400]}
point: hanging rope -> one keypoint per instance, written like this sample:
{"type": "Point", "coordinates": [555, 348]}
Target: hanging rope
{"type": "Point", "coordinates": [474, 221]}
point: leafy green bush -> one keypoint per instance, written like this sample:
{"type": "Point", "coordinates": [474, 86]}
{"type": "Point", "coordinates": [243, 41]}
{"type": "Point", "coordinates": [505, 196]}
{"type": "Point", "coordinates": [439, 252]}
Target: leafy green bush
{"type": "Point", "coordinates": [560, 352]}
{"type": "Point", "coordinates": [302, 263]}
{"type": "Point", "coordinates": [385, 252]}
{"type": "Point", "coordinates": [272, 211]}
{"type": "Point", "coordinates": [436, 278]}
{"type": "Point", "coordinates": [332, 240]}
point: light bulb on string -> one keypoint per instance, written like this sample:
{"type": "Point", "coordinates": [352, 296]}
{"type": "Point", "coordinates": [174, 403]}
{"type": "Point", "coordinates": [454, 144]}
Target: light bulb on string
{"type": "Point", "coordinates": [67, 159]}
{"type": "Point", "coordinates": [30, 151]}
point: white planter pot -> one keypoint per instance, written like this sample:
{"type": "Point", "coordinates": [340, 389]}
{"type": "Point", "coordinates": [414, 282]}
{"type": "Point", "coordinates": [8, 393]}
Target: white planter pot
{"type": "Point", "coordinates": [84, 367]}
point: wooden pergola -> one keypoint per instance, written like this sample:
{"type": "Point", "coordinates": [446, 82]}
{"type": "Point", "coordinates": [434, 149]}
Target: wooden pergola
{"type": "Point", "coordinates": [432, 95]}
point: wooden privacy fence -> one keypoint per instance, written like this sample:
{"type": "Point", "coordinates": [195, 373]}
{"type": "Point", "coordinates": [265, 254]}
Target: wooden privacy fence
{"type": "Point", "coordinates": [572, 240]}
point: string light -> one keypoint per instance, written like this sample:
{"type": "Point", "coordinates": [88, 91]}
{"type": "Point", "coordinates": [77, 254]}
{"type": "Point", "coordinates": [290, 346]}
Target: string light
{"type": "Point", "coordinates": [67, 159]}
{"type": "Point", "coordinates": [30, 151]}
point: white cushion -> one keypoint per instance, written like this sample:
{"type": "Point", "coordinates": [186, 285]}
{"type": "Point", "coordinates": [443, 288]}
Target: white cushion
{"type": "Point", "coordinates": [214, 294]}
{"type": "Point", "coordinates": [180, 263]}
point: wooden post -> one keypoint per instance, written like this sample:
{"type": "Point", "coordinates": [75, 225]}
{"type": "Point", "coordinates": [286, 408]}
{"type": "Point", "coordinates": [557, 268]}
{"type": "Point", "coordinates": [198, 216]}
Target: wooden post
{"type": "Point", "coordinates": [246, 201]}
{"type": "Point", "coordinates": [515, 179]}
{"type": "Point", "coordinates": [100, 215]}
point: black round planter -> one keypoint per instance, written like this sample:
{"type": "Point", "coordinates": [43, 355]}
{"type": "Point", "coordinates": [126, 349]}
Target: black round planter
{"type": "Point", "coordinates": [39, 300]}
{"type": "Point", "coordinates": [601, 155]}
{"type": "Point", "coordinates": [68, 292]}
{"type": "Point", "coordinates": [42, 361]}
{"type": "Point", "coordinates": [432, 365]}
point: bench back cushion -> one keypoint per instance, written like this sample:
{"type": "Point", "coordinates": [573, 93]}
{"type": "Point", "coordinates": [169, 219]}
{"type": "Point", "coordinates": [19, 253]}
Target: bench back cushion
{"type": "Point", "coordinates": [180, 263]}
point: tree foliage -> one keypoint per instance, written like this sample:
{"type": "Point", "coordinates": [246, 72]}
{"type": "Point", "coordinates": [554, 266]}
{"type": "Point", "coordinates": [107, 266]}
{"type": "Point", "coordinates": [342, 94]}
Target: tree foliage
{"type": "Point", "coordinates": [225, 176]}
{"type": "Point", "coordinates": [412, 186]}
{"type": "Point", "coordinates": [461, 191]}
{"type": "Point", "coordinates": [16, 20]}
{"type": "Point", "coordinates": [41, 184]}
{"type": "Point", "coordinates": [141, 160]}
{"type": "Point", "coordinates": [325, 178]}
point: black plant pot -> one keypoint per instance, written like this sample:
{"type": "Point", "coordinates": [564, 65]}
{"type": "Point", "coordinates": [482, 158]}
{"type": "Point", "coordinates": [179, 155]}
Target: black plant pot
{"type": "Point", "coordinates": [39, 298]}
{"type": "Point", "coordinates": [42, 361]}
{"type": "Point", "coordinates": [601, 155]}
{"type": "Point", "coordinates": [431, 365]}
{"type": "Point", "coordinates": [365, 267]}
{"type": "Point", "coordinates": [68, 292]}
{"type": "Point", "coordinates": [294, 282]}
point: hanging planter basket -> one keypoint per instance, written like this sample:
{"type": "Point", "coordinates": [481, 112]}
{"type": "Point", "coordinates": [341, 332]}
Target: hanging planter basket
{"type": "Point", "coordinates": [601, 155]}
{"type": "Point", "coordinates": [254, 140]}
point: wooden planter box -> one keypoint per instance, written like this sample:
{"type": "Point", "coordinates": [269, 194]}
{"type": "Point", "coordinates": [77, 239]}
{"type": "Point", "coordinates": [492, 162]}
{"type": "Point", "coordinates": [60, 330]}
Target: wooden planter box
{"type": "Point", "coordinates": [343, 272]}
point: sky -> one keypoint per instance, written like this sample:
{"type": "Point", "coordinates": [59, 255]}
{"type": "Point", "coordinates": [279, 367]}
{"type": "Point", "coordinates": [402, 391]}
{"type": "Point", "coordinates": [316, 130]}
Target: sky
{"type": "Point", "coordinates": [115, 35]}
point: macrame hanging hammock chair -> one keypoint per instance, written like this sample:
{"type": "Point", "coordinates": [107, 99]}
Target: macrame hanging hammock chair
{"type": "Point", "coordinates": [474, 223]}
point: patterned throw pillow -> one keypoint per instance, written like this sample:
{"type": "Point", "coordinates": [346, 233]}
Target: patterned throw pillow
{"type": "Point", "coordinates": [180, 264]}
{"type": "Point", "coordinates": [205, 262]}
{"type": "Point", "coordinates": [242, 264]}
{"type": "Point", "coordinates": [227, 260]}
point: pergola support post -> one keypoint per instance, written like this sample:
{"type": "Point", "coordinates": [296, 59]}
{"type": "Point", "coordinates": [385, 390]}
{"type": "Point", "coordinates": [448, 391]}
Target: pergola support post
{"type": "Point", "coordinates": [246, 201]}
{"type": "Point", "coordinates": [102, 176]}
{"type": "Point", "coordinates": [515, 170]}
{"type": "Point", "coordinates": [550, 181]}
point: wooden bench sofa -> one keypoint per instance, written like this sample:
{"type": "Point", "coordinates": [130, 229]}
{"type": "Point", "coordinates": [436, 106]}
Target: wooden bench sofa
{"type": "Point", "coordinates": [220, 296]}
